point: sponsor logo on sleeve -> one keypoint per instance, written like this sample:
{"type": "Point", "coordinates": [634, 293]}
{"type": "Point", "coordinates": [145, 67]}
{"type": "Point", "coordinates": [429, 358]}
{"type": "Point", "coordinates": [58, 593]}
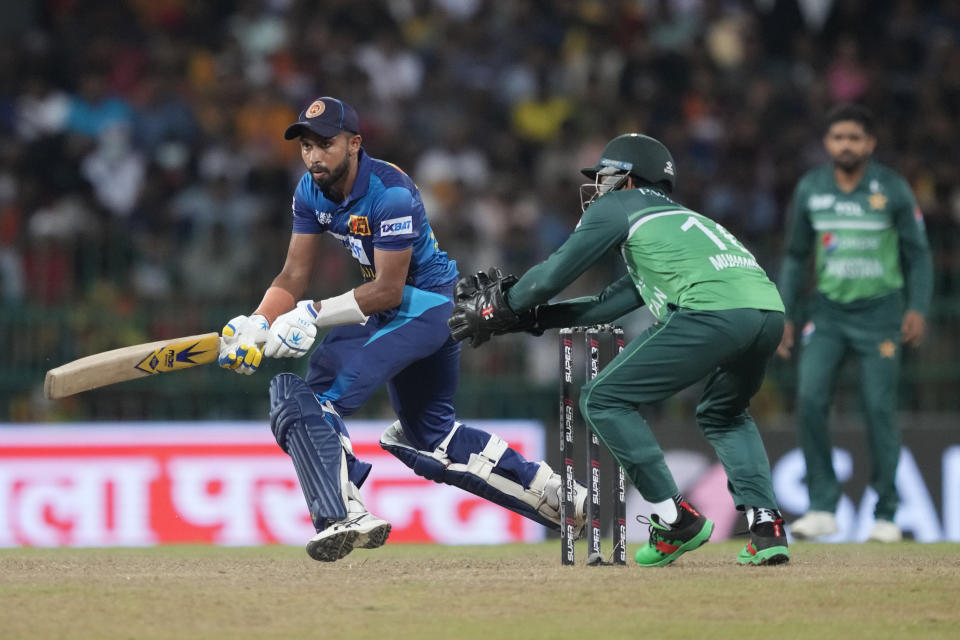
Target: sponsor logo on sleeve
{"type": "Point", "coordinates": [396, 226]}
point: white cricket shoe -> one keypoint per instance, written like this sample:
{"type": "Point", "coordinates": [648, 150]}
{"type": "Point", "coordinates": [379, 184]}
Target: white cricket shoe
{"type": "Point", "coordinates": [885, 531]}
{"type": "Point", "coordinates": [359, 529]}
{"type": "Point", "coordinates": [553, 492]}
{"type": "Point", "coordinates": [814, 524]}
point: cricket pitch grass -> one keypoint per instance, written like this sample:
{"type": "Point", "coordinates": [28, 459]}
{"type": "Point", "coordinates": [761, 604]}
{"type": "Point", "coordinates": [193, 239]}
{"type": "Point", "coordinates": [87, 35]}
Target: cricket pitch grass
{"type": "Point", "coordinates": [515, 591]}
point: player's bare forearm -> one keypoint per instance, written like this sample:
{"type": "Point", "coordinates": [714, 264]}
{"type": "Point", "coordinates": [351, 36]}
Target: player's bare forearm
{"type": "Point", "coordinates": [298, 266]}
{"type": "Point", "coordinates": [386, 291]}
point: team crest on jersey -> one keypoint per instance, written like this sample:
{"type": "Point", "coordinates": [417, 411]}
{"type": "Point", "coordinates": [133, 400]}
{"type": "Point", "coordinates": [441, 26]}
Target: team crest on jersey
{"type": "Point", "coordinates": [887, 349]}
{"type": "Point", "coordinates": [807, 332]}
{"type": "Point", "coordinates": [316, 108]}
{"type": "Point", "coordinates": [359, 225]}
{"type": "Point", "coordinates": [877, 201]}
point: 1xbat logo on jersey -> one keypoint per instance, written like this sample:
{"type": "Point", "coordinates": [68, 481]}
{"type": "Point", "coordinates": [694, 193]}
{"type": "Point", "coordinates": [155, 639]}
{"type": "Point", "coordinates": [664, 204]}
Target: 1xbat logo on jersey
{"type": "Point", "coordinates": [396, 226]}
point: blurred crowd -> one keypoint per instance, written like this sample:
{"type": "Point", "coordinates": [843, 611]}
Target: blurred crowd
{"type": "Point", "coordinates": [142, 163]}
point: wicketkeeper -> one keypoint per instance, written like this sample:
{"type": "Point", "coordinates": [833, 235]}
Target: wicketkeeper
{"type": "Point", "coordinates": [718, 317]}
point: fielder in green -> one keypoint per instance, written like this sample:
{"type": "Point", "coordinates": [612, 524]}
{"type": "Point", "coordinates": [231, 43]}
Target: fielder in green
{"type": "Point", "coordinates": [873, 287]}
{"type": "Point", "coordinates": [718, 317]}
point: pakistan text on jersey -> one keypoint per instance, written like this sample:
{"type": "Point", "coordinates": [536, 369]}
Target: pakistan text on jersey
{"type": "Point", "coordinates": [854, 268]}
{"type": "Point", "coordinates": [723, 261]}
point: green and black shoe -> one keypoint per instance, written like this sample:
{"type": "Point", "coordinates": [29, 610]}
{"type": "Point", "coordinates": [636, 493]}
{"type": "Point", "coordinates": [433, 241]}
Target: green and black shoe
{"type": "Point", "coordinates": [768, 540]}
{"type": "Point", "coordinates": [667, 543]}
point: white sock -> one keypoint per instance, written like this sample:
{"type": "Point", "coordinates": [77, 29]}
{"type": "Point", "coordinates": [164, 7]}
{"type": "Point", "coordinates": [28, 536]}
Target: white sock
{"type": "Point", "coordinates": [765, 515]}
{"type": "Point", "coordinates": [749, 513]}
{"type": "Point", "coordinates": [666, 511]}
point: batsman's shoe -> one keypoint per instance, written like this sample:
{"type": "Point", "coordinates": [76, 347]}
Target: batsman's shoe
{"type": "Point", "coordinates": [768, 540]}
{"type": "Point", "coordinates": [885, 531]}
{"type": "Point", "coordinates": [553, 494]}
{"type": "Point", "coordinates": [359, 529]}
{"type": "Point", "coordinates": [814, 524]}
{"type": "Point", "coordinates": [333, 543]}
{"type": "Point", "coordinates": [373, 531]}
{"type": "Point", "coordinates": [668, 543]}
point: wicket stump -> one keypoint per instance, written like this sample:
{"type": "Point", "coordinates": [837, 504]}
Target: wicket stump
{"type": "Point", "coordinates": [592, 347]}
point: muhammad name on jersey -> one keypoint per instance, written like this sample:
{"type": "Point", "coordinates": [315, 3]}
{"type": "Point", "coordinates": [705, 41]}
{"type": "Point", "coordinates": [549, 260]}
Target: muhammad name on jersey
{"type": "Point", "coordinates": [727, 260]}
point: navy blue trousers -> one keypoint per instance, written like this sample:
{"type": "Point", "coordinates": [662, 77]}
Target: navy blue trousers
{"type": "Point", "coordinates": [410, 350]}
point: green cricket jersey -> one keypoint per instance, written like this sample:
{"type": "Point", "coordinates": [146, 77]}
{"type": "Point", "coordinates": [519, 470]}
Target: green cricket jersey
{"type": "Point", "coordinates": [858, 239]}
{"type": "Point", "coordinates": [673, 255]}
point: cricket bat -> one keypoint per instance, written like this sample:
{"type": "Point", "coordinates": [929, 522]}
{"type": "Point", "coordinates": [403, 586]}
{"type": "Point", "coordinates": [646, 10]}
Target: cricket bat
{"type": "Point", "coordinates": [128, 363]}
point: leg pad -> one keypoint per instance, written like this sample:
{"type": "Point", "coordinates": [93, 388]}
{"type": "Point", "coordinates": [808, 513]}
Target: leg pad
{"type": "Point", "coordinates": [475, 476]}
{"type": "Point", "coordinates": [304, 430]}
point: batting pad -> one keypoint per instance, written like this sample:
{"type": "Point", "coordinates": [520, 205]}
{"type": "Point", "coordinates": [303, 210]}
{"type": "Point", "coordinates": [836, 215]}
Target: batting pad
{"type": "Point", "coordinates": [476, 476]}
{"type": "Point", "coordinates": [303, 430]}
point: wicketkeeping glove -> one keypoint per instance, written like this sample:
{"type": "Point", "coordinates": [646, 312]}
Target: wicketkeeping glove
{"type": "Point", "coordinates": [292, 334]}
{"type": "Point", "coordinates": [241, 342]}
{"type": "Point", "coordinates": [481, 309]}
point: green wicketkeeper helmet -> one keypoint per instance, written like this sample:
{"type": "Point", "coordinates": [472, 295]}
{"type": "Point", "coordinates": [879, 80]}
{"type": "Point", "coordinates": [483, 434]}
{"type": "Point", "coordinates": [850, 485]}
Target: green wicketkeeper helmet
{"type": "Point", "coordinates": [637, 155]}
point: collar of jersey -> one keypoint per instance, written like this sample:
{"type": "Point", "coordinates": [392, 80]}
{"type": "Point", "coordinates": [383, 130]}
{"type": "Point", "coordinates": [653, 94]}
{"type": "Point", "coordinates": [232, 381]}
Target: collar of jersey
{"type": "Point", "coordinates": [362, 181]}
{"type": "Point", "coordinates": [360, 184]}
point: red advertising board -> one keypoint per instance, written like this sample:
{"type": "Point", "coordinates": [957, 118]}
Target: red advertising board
{"type": "Point", "coordinates": [133, 484]}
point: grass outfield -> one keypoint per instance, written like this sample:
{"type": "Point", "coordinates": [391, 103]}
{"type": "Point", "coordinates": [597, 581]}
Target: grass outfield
{"type": "Point", "coordinates": [515, 591]}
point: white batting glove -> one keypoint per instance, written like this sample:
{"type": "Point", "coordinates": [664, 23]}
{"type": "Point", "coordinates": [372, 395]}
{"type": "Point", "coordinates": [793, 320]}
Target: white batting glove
{"type": "Point", "coordinates": [241, 343]}
{"type": "Point", "coordinates": [292, 334]}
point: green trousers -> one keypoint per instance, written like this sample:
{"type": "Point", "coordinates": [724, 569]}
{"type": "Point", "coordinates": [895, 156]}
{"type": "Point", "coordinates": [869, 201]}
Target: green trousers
{"type": "Point", "coordinates": [870, 331]}
{"type": "Point", "coordinates": [730, 349]}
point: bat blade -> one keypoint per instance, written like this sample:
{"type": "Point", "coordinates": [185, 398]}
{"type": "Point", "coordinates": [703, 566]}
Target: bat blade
{"type": "Point", "coordinates": [128, 363]}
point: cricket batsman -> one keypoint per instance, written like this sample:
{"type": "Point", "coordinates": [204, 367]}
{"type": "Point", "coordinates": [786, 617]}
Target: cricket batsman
{"type": "Point", "coordinates": [390, 330]}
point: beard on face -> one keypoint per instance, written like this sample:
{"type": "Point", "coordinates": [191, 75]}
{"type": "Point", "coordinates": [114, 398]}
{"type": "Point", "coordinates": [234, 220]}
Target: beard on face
{"type": "Point", "coordinates": [848, 161]}
{"type": "Point", "coordinates": [333, 176]}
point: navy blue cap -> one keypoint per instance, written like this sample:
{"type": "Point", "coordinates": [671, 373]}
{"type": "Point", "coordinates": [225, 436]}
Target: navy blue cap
{"type": "Point", "coordinates": [325, 117]}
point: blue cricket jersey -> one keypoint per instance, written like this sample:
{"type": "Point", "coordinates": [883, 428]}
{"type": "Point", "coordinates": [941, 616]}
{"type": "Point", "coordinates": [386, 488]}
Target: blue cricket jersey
{"type": "Point", "coordinates": [383, 211]}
